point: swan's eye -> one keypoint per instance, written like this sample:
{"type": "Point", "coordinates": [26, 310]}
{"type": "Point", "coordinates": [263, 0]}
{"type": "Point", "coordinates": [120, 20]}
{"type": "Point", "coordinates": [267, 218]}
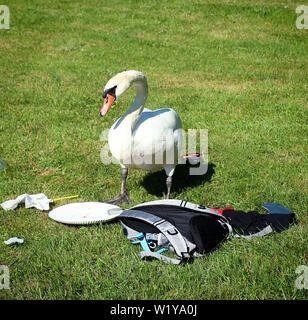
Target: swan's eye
{"type": "Point", "coordinates": [110, 91]}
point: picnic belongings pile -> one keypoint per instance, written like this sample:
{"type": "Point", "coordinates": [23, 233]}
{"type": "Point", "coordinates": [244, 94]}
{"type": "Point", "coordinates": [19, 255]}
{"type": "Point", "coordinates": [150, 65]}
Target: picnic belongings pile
{"type": "Point", "coordinates": [187, 229]}
{"type": "Point", "coordinates": [191, 230]}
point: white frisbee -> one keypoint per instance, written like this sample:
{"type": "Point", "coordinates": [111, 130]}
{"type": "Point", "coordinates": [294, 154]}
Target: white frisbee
{"type": "Point", "coordinates": [85, 213]}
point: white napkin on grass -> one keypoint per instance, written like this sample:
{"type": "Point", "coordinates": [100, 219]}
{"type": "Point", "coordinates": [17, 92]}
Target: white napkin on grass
{"type": "Point", "coordinates": [14, 240]}
{"type": "Point", "coordinates": [38, 201]}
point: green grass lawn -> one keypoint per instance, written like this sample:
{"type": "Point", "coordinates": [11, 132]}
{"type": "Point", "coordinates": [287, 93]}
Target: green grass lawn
{"type": "Point", "coordinates": [236, 68]}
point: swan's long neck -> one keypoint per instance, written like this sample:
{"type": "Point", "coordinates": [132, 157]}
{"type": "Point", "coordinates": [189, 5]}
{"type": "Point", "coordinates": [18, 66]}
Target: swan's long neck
{"type": "Point", "coordinates": [131, 117]}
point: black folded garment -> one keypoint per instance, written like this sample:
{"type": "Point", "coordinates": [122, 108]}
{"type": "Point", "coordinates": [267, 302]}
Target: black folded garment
{"type": "Point", "coordinates": [252, 223]}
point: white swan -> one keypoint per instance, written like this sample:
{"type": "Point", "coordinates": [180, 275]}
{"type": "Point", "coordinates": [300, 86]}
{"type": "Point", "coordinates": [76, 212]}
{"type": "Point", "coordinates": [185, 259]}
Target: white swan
{"type": "Point", "coordinates": [141, 138]}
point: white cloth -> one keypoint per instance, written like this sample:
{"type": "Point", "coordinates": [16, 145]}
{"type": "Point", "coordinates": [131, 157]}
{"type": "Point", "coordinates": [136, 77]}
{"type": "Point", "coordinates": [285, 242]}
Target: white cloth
{"type": "Point", "coordinates": [14, 240]}
{"type": "Point", "coordinates": [39, 201]}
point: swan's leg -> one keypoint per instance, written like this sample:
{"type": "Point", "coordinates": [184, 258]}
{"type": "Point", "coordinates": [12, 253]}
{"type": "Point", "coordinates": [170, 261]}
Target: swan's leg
{"type": "Point", "coordinates": [169, 168]}
{"type": "Point", "coordinates": [124, 173]}
{"type": "Point", "coordinates": [169, 184]}
{"type": "Point", "coordinates": [124, 196]}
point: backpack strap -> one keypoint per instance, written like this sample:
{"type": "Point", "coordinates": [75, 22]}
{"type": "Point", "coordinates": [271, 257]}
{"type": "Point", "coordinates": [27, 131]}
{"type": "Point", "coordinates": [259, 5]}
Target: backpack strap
{"type": "Point", "coordinates": [142, 241]}
{"type": "Point", "coordinates": [165, 227]}
{"type": "Point", "coordinates": [156, 255]}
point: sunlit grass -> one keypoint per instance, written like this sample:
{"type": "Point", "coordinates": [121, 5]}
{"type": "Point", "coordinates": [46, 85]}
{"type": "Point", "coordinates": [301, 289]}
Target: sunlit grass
{"type": "Point", "coordinates": [236, 68]}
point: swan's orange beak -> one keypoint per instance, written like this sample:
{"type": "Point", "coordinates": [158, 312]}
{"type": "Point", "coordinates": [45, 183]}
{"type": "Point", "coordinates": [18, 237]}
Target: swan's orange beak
{"type": "Point", "coordinates": [107, 104]}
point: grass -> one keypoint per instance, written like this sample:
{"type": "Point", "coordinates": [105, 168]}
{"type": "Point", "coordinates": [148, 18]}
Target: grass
{"type": "Point", "coordinates": [236, 68]}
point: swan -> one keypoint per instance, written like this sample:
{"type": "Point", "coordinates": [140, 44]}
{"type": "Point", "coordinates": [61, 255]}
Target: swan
{"type": "Point", "coordinates": [141, 138]}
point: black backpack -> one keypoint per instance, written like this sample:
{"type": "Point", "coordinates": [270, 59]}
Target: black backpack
{"type": "Point", "coordinates": [187, 229]}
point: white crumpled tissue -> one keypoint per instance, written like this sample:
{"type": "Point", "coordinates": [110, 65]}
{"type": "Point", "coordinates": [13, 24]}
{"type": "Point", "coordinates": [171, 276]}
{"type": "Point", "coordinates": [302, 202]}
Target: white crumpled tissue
{"type": "Point", "coordinates": [39, 201]}
{"type": "Point", "coordinates": [14, 240]}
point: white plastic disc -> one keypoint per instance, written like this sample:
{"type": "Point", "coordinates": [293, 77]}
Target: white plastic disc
{"type": "Point", "coordinates": [85, 213]}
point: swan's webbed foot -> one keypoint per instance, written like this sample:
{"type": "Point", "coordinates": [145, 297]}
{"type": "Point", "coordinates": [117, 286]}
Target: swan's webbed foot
{"type": "Point", "coordinates": [122, 198]}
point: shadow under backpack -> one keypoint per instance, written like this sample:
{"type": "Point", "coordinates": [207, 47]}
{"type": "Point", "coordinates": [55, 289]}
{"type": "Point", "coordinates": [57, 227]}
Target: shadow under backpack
{"type": "Point", "coordinates": [191, 230]}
